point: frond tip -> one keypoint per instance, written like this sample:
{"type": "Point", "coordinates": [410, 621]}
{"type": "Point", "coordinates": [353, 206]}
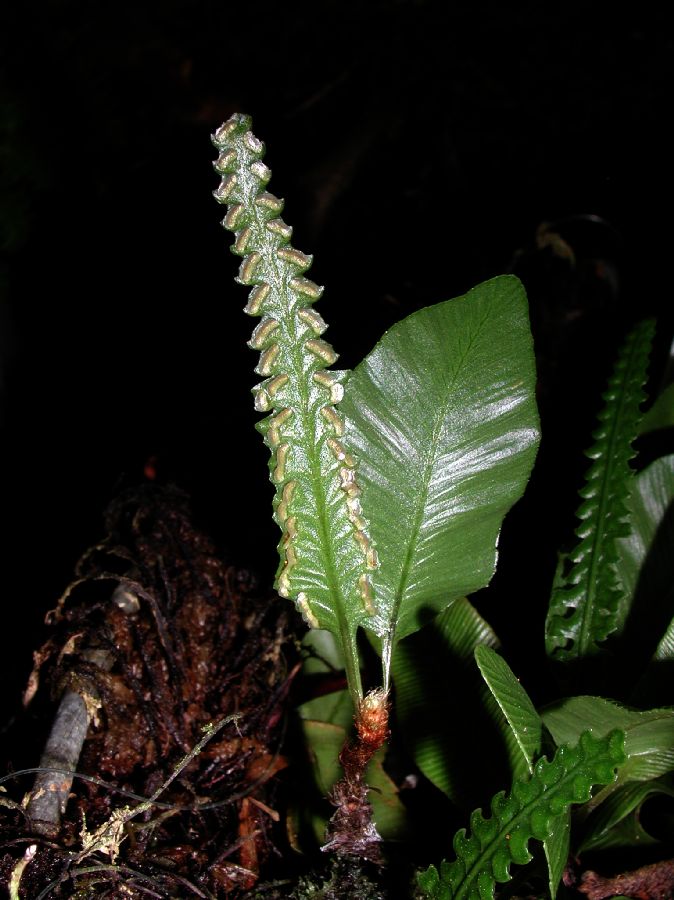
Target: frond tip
{"type": "Point", "coordinates": [484, 856]}
{"type": "Point", "coordinates": [326, 552]}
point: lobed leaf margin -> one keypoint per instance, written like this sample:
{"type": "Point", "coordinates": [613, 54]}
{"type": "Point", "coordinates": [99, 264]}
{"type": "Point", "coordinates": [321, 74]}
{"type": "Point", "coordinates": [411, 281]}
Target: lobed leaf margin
{"type": "Point", "coordinates": [484, 856]}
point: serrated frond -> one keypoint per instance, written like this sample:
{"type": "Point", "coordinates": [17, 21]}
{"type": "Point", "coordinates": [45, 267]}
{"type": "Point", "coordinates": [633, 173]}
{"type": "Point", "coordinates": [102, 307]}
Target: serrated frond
{"type": "Point", "coordinates": [485, 854]}
{"type": "Point", "coordinates": [326, 553]}
{"type": "Point", "coordinates": [586, 594]}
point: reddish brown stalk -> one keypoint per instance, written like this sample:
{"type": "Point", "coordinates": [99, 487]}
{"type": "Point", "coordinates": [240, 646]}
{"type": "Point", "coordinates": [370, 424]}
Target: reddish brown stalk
{"type": "Point", "coordinates": [351, 831]}
{"type": "Point", "coordinates": [654, 882]}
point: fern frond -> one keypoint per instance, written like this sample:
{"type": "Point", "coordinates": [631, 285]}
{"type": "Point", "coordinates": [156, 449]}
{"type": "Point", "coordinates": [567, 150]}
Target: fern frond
{"type": "Point", "coordinates": [326, 553]}
{"type": "Point", "coordinates": [485, 855]}
{"type": "Point", "coordinates": [585, 599]}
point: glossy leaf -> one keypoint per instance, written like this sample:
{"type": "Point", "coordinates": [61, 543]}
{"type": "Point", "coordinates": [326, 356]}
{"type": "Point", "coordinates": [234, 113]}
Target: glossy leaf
{"type": "Point", "coordinates": [331, 709]}
{"type": "Point", "coordinates": [527, 729]}
{"type": "Point", "coordinates": [665, 649]}
{"type": "Point", "coordinates": [617, 821]}
{"type": "Point", "coordinates": [557, 849]}
{"type": "Point", "coordinates": [586, 600]}
{"type": "Point", "coordinates": [484, 856]}
{"type": "Point", "coordinates": [438, 689]}
{"type": "Point", "coordinates": [651, 516]}
{"type": "Point", "coordinates": [649, 736]}
{"type": "Point", "coordinates": [443, 418]}
{"type": "Point", "coordinates": [326, 555]}
{"type": "Point", "coordinates": [645, 566]}
{"type": "Point", "coordinates": [661, 413]}
{"type": "Point", "coordinates": [519, 711]}
{"type": "Point", "coordinates": [322, 653]}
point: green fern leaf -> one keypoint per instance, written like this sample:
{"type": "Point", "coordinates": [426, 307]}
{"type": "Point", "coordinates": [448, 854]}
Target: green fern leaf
{"type": "Point", "coordinates": [484, 856]}
{"type": "Point", "coordinates": [526, 727]}
{"type": "Point", "coordinates": [586, 596]}
{"type": "Point", "coordinates": [326, 554]}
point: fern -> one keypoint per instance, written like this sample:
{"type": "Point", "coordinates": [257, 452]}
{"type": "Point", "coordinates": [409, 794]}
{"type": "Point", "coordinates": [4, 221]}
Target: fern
{"type": "Point", "coordinates": [484, 857]}
{"type": "Point", "coordinates": [585, 600]}
{"type": "Point", "coordinates": [326, 554]}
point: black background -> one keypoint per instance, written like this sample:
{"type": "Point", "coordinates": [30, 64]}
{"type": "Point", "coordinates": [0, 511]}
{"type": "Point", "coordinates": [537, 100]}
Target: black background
{"type": "Point", "coordinates": [419, 146]}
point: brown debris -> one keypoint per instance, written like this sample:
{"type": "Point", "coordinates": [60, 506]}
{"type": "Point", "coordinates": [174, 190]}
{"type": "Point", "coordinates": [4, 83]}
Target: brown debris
{"type": "Point", "coordinates": [191, 643]}
{"type": "Point", "coordinates": [653, 882]}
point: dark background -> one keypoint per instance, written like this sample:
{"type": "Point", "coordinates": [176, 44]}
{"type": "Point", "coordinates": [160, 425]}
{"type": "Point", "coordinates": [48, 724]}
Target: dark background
{"type": "Point", "coordinates": [420, 146]}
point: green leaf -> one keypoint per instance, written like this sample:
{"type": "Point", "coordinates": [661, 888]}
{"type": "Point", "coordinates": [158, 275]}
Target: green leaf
{"type": "Point", "coordinates": [322, 653]}
{"type": "Point", "coordinates": [485, 855]}
{"type": "Point", "coordinates": [617, 821]}
{"type": "Point", "coordinates": [437, 689]}
{"type": "Point", "coordinates": [645, 562]}
{"type": "Point", "coordinates": [331, 709]}
{"type": "Point", "coordinates": [649, 736]}
{"type": "Point", "coordinates": [443, 418]}
{"type": "Point", "coordinates": [527, 729]}
{"type": "Point", "coordinates": [557, 848]}
{"type": "Point", "coordinates": [325, 552]}
{"type": "Point", "coordinates": [665, 649]}
{"type": "Point", "coordinates": [661, 413]}
{"type": "Point", "coordinates": [515, 704]}
{"type": "Point", "coordinates": [645, 566]}
{"type": "Point", "coordinates": [585, 602]}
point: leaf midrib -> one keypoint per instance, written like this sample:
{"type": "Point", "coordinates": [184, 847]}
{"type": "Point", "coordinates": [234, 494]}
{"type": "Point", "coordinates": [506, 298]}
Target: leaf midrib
{"type": "Point", "coordinates": [523, 814]}
{"type": "Point", "coordinates": [423, 495]}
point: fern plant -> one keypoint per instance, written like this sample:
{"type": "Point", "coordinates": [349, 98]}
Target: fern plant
{"type": "Point", "coordinates": [390, 486]}
{"type": "Point", "coordinates": [391, 482]}
{"type": "Point", "coordinates": [383, 477]}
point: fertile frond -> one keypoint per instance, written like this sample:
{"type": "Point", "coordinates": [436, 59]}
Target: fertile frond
{"type": "Point", "coordinates": [326, 554]}
{"type": "Point", "coordinates": [485, 855]}
{"type": "Point", "coordinates": [586, 596]}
